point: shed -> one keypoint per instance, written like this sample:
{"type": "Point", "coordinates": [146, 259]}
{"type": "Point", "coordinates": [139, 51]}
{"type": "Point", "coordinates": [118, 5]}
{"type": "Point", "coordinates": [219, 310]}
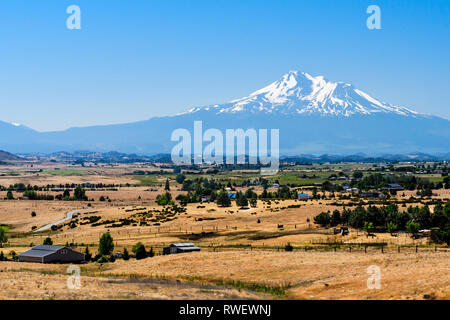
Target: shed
{"type": "Point", "coordinates": [180, 248]}
{"type": "Point", "coordinates": [303, 196]}
{"type": "Point", "coordinates": [51, 254]}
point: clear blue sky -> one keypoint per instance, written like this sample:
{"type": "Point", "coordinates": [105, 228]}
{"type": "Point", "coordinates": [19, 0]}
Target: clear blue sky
{"type": "Point", "coordinates": [136, 59]}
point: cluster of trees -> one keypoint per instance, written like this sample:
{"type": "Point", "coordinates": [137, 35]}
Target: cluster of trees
{"type": "Point", "coordinates": [389, 218]}
{"type": "Point", "coordinates": [164, 199]}
{"type": "Point", "coordinates": [79, 194]}
{"type": "Point", "coordinates": [283, 192]}
{"type": "Point", "coordinates": [33, 195]}
{"type": "Point", "coordinates": [409, 182]}
{"type": "Point", "coordinates": [30, 193]}
{"type": "Point", "coordinates": [106, 247]}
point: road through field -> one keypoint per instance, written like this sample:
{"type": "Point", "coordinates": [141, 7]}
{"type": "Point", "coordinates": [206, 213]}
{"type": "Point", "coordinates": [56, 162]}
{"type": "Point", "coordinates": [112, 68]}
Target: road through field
{"type": "Point", "coordinates": [69, 216]}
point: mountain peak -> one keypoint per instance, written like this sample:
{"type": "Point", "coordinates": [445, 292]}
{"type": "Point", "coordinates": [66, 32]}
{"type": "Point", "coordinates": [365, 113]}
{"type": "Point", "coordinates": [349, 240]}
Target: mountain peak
{"type": "Point", "coordinates": [300, 93]}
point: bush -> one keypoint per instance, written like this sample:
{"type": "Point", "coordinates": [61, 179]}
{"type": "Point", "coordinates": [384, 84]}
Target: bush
{"type": "Point", "coordinates": [288, 247]}
{"type": "Point", "coordinates": [126, 255]}
{"type": "Point", "coordinates": [106, 245]}
{"type": "Point", "coordinates": [444, 234]}
{"type": "Point", "coordinates": [3, 237]}
{"type": "Point", "coordinates": [87, 254]}
{"type": "Point", "coordinates": [33, 214]}
{"type": "Point", "coordinates": [391, 227]}
{"type": "Point", "coordinates": [223, 199]}
{"type": "Point", "coordinates": [164, 199]}
{"type": "Point", "coordinates": [322, 219]}
{"type": "Point", "coordinates": [139, 251]}
{"type": "Point", "coordinates": [103, 259]}
{"type": "Point", "coordinates": [412, 227]}
{"type": "Point", "coordinates": [48, 241]}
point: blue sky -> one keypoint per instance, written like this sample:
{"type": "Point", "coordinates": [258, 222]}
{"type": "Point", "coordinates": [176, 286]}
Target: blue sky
{"type": "Point", "coordinates": [135, 59]}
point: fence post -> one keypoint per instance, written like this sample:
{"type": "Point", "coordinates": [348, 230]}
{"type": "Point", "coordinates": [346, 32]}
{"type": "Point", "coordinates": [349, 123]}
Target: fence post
{"type": "Point", "coordinates": [398, 249]}
{"type": "Point", "coordinates": [416, 248]}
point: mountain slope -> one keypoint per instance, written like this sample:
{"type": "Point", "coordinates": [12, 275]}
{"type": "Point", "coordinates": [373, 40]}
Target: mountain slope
{"type": "Point", "coordinates": [301, 93]}
{"type": "Point", "coordinates": [312, 114]}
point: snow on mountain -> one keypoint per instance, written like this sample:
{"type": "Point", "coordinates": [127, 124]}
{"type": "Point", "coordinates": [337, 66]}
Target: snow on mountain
{"type": "Point", "coordinates": [300, 93]}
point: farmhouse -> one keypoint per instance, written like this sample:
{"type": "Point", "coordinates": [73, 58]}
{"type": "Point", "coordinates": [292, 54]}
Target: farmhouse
{"type": "Point", "coordinates": [371, 194]}
{"type": "Point", "coordinates": [393, 186]}
{"type": "Point", "coordinates": [180, 248]}
{"type": "Point", "coordinates": [51, 254]}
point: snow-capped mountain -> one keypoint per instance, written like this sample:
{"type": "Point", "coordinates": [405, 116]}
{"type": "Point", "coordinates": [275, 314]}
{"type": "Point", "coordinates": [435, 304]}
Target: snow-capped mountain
{"type": "Point", "coordinates": [313, 116]}
{"type": "Point", "coordinates": [300, 93]}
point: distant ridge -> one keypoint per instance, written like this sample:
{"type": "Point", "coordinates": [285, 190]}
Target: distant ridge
{"type": "Point", "coordinates": [6, 156]}
{"type": "Point", "coordinates": [314, 116]}
{"type": "Point", "coordinates": [113, 156]}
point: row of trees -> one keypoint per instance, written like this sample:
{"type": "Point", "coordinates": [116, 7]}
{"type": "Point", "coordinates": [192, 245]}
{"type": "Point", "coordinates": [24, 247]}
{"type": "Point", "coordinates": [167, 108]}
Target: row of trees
{"type": "Point", "coordinates": [79, 194]}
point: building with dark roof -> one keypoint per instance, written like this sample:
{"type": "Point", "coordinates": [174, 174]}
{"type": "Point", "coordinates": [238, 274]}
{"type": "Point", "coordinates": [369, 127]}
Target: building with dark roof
{"type": "Point", "coordinates": [51, 254]}
{"type": "Point", "coordinates": [393, 186]}
{"type": "Point", "coordinates": [180, 248]}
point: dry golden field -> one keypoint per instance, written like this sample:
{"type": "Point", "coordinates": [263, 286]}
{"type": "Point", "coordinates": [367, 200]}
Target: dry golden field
{"type": "Point", "coordinates": [242, 253]}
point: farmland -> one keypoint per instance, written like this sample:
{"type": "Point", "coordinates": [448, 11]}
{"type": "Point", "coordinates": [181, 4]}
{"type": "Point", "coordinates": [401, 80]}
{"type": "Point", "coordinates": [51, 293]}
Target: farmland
{"type": "Point", "coordinates": [272, 249]}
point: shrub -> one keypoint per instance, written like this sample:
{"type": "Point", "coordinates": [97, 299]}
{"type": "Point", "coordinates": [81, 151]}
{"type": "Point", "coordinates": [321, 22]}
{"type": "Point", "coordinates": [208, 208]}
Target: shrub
{"type": "Point", "coordinates": [139, 251]}
{"type": "Point", "coordinates": [33, 214]}
{"type": "Point", "coordinates": [322, 219]}
{"type": "Point", "coordinates": [412, 227]}
{"type": "Point", "coordinates": [444, 234]}
{"type": "Point", "coordinates": [48, 241]}
{"type": "Point", "coordinates": [288, 247]}
{"type": "Point", "coordinates": [106, 245]}
{"type": "Point", "coordinates": [88, 255]}
{"type": "Point", "coordinates": [3, 237]}
{"type": "Point", "coordinates": [391, 227]}
{"type": "Point", "coordinates": [126, 255]}
{"type": "Point", "coordinates": [103, 259]}
{"type": "Point", "coordinates": [164, 199]}
{"type": "Point", "coordinates": [223, 199]}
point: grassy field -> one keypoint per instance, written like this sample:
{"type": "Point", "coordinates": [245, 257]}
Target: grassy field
{"type": "Point", "coordinates": [243, 250]}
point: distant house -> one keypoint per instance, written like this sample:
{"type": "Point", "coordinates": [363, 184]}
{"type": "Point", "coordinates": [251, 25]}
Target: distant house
{"type": "Point", "coordinates": [206, 198]}
{"type": "Point", "coordinates": [393, 187]}
{"type": "Point", "coordinates": [275, 185]}
{"type": "Point", "coordinates": [303, 196]}
{"type": "Point", "coordinates": [232, 195]}
{"type": "Point", "coordinates": [180, 248]}
{"type": "Point", "coordinates": [51, 254]}
{"type": "Point", "coordinates": [371, 194]}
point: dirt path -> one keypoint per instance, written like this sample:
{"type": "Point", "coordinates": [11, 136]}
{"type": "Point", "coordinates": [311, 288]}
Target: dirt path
{"type": "Point", "coordinates": [69, 216]}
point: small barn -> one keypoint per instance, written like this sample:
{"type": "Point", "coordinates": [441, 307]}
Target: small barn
{"type": "Point", "coordinates": [303, 196]}
{"type": "Point", "coordinates": [180, 248]}
{"type": "Point", "coordinates": [51, 254]}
